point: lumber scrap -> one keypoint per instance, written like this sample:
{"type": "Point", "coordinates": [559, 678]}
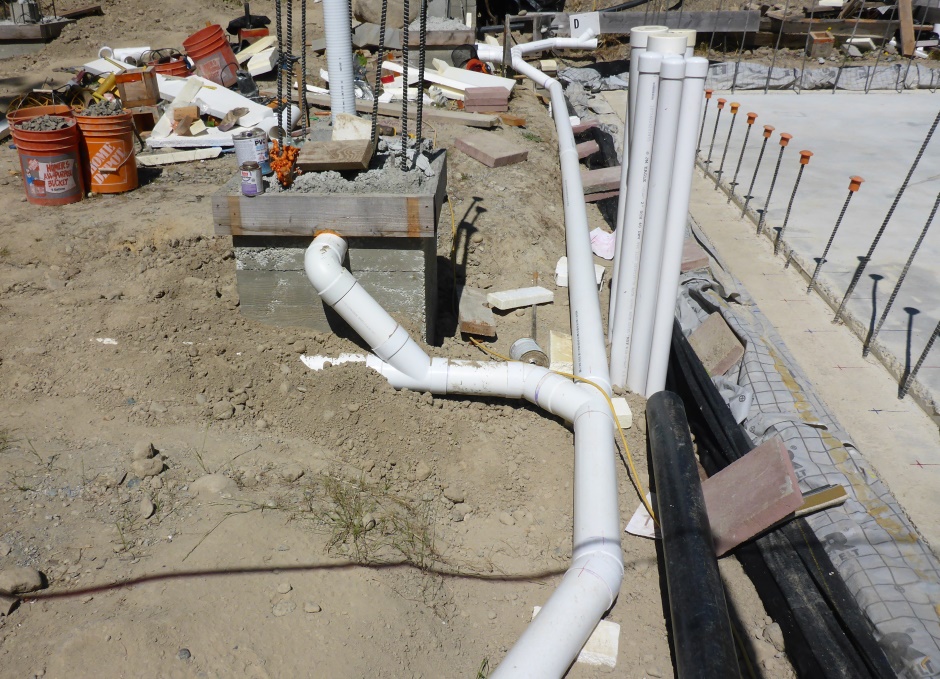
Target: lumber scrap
{"type": "Point", "coordinates": [587, 148]}
{"type": "Point", "coordinates": [491, 149]}
{"type": "Point", "coordinates": [475, 315]}
{"type": "Point", "coordinates": [430, 114]}
{"type": "Point", "coordinates": [82, 12]}
{"type": "Point", "coordinates": [346, 154]}
{"type": "Point", "coordinates": [725, 21]}
{"type": "Point", "coordinates": [906, 17]}
{"type": "Point", "coordinates": [602, 179]}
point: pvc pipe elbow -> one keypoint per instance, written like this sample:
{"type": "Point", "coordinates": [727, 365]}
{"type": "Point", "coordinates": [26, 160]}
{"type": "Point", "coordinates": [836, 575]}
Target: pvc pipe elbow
{"type": "Point", "coordinates": [487, 52]}
{"type": "Point", "coordinates": [323, 263]}
{"type": "Point", "coordinates": [605, 564]}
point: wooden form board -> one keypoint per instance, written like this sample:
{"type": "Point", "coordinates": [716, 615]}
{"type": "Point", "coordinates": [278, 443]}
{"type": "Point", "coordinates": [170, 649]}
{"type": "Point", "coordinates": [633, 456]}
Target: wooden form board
{"type": "Point", "coordinates": [348, 214]}
{"type": "Point", "coordinates": [703, 22]}
{"type": "Point", "coordinates": [602, 179]}
{"type": "Point", "coordinates": [430, 113]}
{"type": "Point", "coordinates": [351, 154]}
{"type": "Point", "coordinates": [906, 16]}
{"type": "Point", "coordinates": [10, 32]}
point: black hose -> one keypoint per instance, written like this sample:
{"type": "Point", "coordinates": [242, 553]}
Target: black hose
{"type": "Point", "coordinates": [701, 627]}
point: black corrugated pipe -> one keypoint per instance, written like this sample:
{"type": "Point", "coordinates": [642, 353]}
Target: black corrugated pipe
{"type": "Point", "coordinates": [701, 628]}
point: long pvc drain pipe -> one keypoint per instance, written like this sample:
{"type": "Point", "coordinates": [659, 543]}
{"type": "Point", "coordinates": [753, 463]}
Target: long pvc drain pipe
{"type": "Point", "coordinates": [339, 59]}
{"type": "Point", "coordinates": [641, 153]}
{"type": "Point", "coordinates": [657, 203]}
{"type": "Point", "coordinates": [696, 69]}
{"type": "Point", "coordinates": [701, 627]}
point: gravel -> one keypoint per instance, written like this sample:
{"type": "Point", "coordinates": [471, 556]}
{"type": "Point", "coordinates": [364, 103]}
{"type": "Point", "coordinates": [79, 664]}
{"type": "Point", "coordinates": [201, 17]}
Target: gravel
{"type": "Point", "coordinates": [44, 124]}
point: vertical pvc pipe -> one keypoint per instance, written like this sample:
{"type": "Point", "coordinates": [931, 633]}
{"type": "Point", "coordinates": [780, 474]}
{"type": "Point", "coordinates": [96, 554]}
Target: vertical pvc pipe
{"type": "Point", "coordinates": [696, 69]}
{"type": "Point", "coordinates": [639, 36]}
{"type": "Point", "coordinates": [651, 254]}
{"type": "Point", "coordinates": [641, 150]}
{"type": "Point", "coordinates": [690, 35]}
{"type": "Point", "coordinates": [339, 59]}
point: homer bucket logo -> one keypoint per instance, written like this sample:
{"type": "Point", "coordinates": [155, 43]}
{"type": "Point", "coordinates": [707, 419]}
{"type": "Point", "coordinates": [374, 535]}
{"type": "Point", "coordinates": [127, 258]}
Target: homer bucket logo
{"type": "Point", "coordinates": [50, 176]}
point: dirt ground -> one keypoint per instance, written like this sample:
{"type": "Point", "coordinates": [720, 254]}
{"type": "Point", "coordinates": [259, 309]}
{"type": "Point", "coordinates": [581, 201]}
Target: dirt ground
{"type": "Point", "coordinates": [294, 523]}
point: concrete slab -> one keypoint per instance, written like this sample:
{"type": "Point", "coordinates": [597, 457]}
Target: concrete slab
{"type": "Point", "coordinates": [876, 136]}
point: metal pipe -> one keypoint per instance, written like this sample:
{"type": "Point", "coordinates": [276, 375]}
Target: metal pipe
{"type": "Point", "coordinates": [785, 138]}
{"type": "Point", "coordinates": [804, 161]}
{"type": "Point", "coordinates": [751, 117]}
{"type": "Point", "coordinates": [768, 131]}
{"type": "Point", "coordinates": [701, 626]}
{"type": "Point", "coordinates": [854, 184]}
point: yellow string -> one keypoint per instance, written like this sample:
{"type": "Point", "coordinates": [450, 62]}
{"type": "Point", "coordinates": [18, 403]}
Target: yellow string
{"type": "Point", "coordinates": [632, 473]}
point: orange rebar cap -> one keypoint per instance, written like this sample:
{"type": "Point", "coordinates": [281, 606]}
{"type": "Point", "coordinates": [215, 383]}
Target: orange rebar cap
{"type": "Point", "coordinates": [805, 156]}
{"type": "Point", "coordinates": [785, 138]}
{"type": "Point", "coordinates": [751, 117]}
{"type": "Point", "coordinates": [734, 107]}
{"type": "Point", "coordinates": [722, 102]}
{"type": "Point", "coordinates": [855, 183]}
{"type": "Point", "coordinates": [768, 130]}
{"type": "Point", "coordinates": [708, 94]}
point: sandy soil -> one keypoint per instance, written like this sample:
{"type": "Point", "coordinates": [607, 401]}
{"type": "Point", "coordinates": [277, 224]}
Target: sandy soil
{"type": "Point", "coordinates": [120, 328]}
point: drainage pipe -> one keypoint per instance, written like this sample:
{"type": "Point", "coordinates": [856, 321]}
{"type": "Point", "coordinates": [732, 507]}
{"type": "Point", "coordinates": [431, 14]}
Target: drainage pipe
{"type": "Point", "coordinates": [677, 217]}
{"type": "Point", "coordinates": [641, 149]}
{"type": "Point", "coordinates": [339, 61]}
{"type": "Point", "coordinates": [552, 642]}
{"type": "Point", "coordinates": [638, 39]}
{"type": "Point", "coordinates": [664, 149]}
{"type": "Point", "coordinates": [701, 628]}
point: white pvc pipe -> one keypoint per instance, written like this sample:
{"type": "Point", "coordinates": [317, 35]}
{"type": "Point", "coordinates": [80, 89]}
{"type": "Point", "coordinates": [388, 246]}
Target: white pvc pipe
{"type": "Point", "coordinates": [664, 148]}
{"type": "Point", "coordinates": [677, 218]}
{"type": "Point", "coordinates": [339, 61]}
{"type": "Point", "coordinates": [638, 39]}
{"type": "Point", "coordinates": [689, 34]}
{"type": "Point", "coordinates": [641, 149]}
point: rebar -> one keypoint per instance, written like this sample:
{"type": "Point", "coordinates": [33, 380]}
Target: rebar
{"type": "Point", "coordinates": [378, 73]}
{"type": "Point", "coordinates": [866, 349]}
{"type": "Point", "coordinates": [902, 392]}
{"type": "Point", "coordinates": [734, 116]}
{"type": "Point", "coordinates": [721, 105]}
{"type": "Point", "coordinates": [910, 61]}
{"type": "Point", "coordinates": [422, 49]}
{"type": "Point", "coordinates": [737, 62]}
{"type": "Point", "coordinates": [845, 59]}
{"type": "Point", "coordinates": [751, 117]}
{"type": "Point", "coordinates": [708, 97]}
{"type": "Point", "coordinates": [289, 58]}
{"type": "Point", "coordinates": [302, 87]}
{"type": "Point", "coordinates": [768, 130]}
{"type": "Point", "coordinates": [711, 40]}
{"type": "Point", "coordinates": [280, 59]}
{"type": "Point", "coordinates": [404, 99]}
{"type": "Point", "coordinates": [854, 184]}
{"type": "Point", "coordinates": [809, 34]}
{"type": "Point", "coordinates": [773, 61]}
{"type": "Point", "coordinates": [804, 161]}
{"type": "Point", "coordinates": [884, 225]}
{"type": "Point", "coordinates": [784, 140]}
{"type": "Point", "coordinates": [874, 69]}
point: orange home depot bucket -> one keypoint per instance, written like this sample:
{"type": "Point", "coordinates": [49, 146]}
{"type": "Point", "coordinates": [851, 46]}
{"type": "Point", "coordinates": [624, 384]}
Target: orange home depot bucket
{"type": "Point", "coordinates": [50, 161]}
{"type": "Point", "coordinates": [109, 164]}
{"type": "Point", "coordinates": [212, 55]}
{"type": "Point", "coordinates": [21, 114]}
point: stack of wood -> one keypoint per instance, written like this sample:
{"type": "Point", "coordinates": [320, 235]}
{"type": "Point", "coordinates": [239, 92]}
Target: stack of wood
{"type": "Point", "coordinates": [486, 100]}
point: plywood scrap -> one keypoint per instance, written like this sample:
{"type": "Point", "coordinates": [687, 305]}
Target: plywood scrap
{"type": "Point", "coordinates": [716, 345]}
{"type": "Point", "coordinates": [475, 315]}
{"type": "Point", "coordinates": [335, 155]}
{"type": "Point", "coordinates": [560, 354]}
{"type": "Point", "coordinates": [491, 149]}
{"type": "Point", "coordinates": [506, 300]}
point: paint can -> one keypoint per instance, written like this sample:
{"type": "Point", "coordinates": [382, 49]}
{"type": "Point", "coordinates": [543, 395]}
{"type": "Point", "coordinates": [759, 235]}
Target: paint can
{"type": "Point", "coordinates": [253, 145]}
{"type": "Point", "coordinates": [528, 351]}
{"type": "Point", "coordinates": [252, 183]}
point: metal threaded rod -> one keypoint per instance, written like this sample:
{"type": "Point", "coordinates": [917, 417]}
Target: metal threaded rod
{"type": "Point", "coordinates": [854, 184]}
{"type": "Point", "coordinates": [378, 73]}
{"type": "Point", "coordinates": [784, 140]}
{"type": "Point", "coordinates": [920, 361]}
{"type": "Point", "coordinates": [866, 349]}
{"type": "Point", "coordinates": [404, 99]}
{"type": "Point", "coordinates": [280, 60]}
{"type": "Point", "coordinates": [721, 105]}
{"type": "Point", "coordinates": [768, 130]}
{"type": "Point", "coordinates": [845, 59]}
{"type": "Point", "coordinates": [773, 62]}
{"type": "Point", "coordinates": [708, 97]}
{"type": "Point", "coordinates": [422, 48]}
{"type": "Point", "coordinates": [804, 161]}
{"type": "Point", "coordinates": [751, 117]}
{"type": "Point", "coordinates": [734, 116]}
{"type": "Point", "coordinates": [884, 225]}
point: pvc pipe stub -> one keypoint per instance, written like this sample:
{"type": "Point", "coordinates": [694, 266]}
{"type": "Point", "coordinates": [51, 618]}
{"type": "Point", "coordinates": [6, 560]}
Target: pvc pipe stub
{"type": "Point", "coordinates": [697, 67]}
{"type": "Point", "coordinates": [666, 43]}
{"type": "Point", "coordinates": [673, 67]}
{"type": "Point", "coordinates": [785, 138]}
{"type": "Point", "coordinates": [721, 103]}
{"type": "Point", "coordinates": [734, 108]}
{"type": "Point", "coordinates": [689, 34]}
{"type": "Point", "coordinates": [805, 156]}
{"type": "Point", "coordinates": [768, 130]}
{"type": "Point", "coordinates": [640, 35]}
{"type": "Point", "coordinates": [751, 117]}
{"type": "Point", "coordinates": [855, 183]}
{"type": "Point", "coordinates": [650, 62]}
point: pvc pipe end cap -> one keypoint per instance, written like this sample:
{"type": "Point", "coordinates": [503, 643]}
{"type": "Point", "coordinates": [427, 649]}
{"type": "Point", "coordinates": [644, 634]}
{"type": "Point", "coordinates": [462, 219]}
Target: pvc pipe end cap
{"type": "Point", "coordinates": [734, 107]}
{"type": "Point", "coordinates": [855, 183]}
{"type": "Point", "coordinates": [751, 117]}
{"type": "Point", "coordinates": [650, 62]}
{"type": "Point", "coordinates": [721, 103]}
{"type": "Point", "coordinates": [785, 138]}
{"type": "Point", "coordinates": [768, 130]}
{"type": "Point", "coordinates": [689, 34]}
{"type": "Point", "coordinates": [666, 43]}
{"type": "Point", "coordinates": [708, 94]}
{"type": "Point", "coordinates": [696, 67]}
{"type": "Point", "coordinates": [805, 156]}
{"type": "Point", "coordinates": [673, 67]}
{"type": "Point", "coordinates": [640, 35]}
